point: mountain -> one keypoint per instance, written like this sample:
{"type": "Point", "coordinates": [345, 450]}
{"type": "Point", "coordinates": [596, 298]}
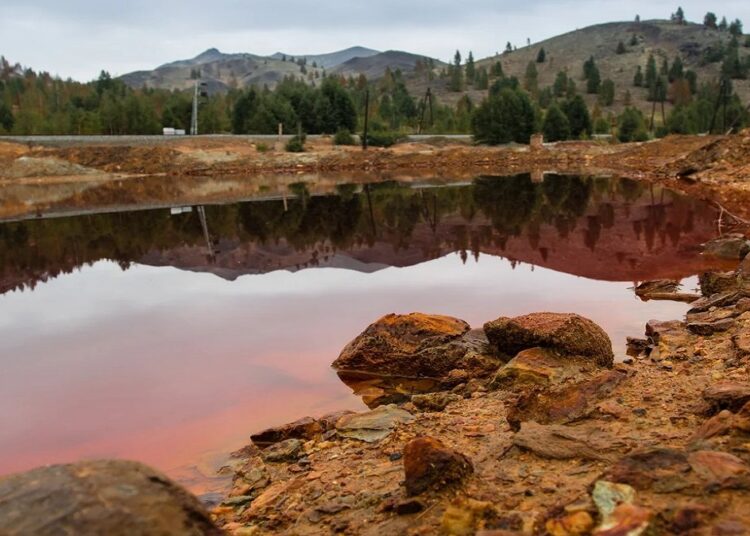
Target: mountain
{"type": "Point", "coordinates": [331, 59]}
{"type": "Point", "coordinates": [222, 71]}
{"type": "Point", "coordinates": [374, 66]}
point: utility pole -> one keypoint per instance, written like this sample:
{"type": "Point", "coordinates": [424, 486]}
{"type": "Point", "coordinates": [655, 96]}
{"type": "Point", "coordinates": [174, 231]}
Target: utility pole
{"type": "Point", "coordinates": [198, 92]}
{"type": "Point", "coordinates": [367, 114]}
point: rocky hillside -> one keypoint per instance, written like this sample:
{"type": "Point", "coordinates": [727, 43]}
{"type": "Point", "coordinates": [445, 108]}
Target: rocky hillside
{"type": "Point", "coordinates": [567, 52]}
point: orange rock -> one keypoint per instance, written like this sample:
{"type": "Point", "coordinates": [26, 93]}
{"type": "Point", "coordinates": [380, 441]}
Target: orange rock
{"type": "Point", "coordinates": [428, 463]}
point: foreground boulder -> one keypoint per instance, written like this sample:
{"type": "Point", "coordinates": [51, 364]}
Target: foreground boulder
{"type": "Point", "coordinates": [565, 333]}
{"type": "Point", "coordinates": [416, 345]}
{"type": "Point", "coordinates": [109, 497]}
{"type": "Point", "coordinates": [429, 464]}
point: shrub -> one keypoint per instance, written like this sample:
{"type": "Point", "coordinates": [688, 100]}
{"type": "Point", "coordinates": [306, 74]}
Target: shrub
{"type": "Point", "coordinates": [343, 137]}
{"type": "Point", "coordinates": [262, 147]}
{"type": "Point", "coordinates": [383, 138]}
{"type": "Point", "coordinates": [296, 144]}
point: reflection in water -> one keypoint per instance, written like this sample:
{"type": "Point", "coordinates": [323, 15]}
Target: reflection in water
{"type": "Point", "coordinates": [141, 352]}
{"type": "Point", "coordinates": [617, 230]}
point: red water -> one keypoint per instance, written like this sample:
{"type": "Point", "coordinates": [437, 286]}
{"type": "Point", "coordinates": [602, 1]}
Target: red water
{"type": "Point", "coordinates": [173, 368]}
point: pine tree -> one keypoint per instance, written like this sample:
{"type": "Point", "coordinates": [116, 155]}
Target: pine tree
{"type": "Point", "coordinates": [531, 77]}
{"type": "Point", "coordinates": [560, 85]}
{"type": "Point", "coordinates": [471, 71]}
{"type": "Point", "coordinates": [456, 74]}
{"type": "Point", "coordinates": [621, 48]}
{"type": "Point", "coordinates": [723, 25]}
{"type": "Point", "coordinates": [633, 40]}
{"type": "Point", "coordinates": [736, 28]}
{"type": "Point", "coordinates": [541, 57]}
{"type": "Point", "coordinates": [638, 78]}
{"type": "Point", "coordinates": [679, 17]}
{"type": "Point", "coordinates": [677, 71]}
{"type": "Point", "coordinates": [651, 73]}
{"type": "Point", "coordinates": [578, 116]}
{"type": "Point", "coordinates": [508, 48]}
{"type": "Point", "coordinates": [607, 93]}
{"type": "Point", "coordinates": [709, 21]}
{"type": "Point", "coordinates": [497, 69]}
{"type": "Point", "coordinates": [556, 126]}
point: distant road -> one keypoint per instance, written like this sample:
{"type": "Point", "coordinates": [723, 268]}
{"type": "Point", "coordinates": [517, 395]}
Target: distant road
{"type": "Point", "coordinates": [62, 141]}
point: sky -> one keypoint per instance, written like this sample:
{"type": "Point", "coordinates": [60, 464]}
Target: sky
{"type": "Point", "coordinates": [79, 38]}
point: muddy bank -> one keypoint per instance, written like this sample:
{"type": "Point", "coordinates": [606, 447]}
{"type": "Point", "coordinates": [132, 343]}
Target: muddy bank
{"type": "Point", "coordinates": [710, 167]}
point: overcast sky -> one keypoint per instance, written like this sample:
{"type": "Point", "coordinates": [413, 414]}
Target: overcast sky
{"type": "Point", "coordinates": [78, 38]}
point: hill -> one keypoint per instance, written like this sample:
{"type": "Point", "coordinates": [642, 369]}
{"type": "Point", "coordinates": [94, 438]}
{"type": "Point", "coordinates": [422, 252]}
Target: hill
{"type": "Point", "coordinates": [568, 52]}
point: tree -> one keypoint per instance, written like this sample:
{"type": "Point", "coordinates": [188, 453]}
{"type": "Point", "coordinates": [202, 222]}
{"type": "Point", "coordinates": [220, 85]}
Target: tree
{"type": "Point", "coordinates": [456, 74]}
{"type": "Point", "coordinates": [541, 56]}
{"type": "Point", "coordinates": [470, 69]}
{"type": "Point", "coordinates": [621, 48]}
{"type": "Point", "coordinates": [560, 85]}
{"type": "Point", "coordinates": [651, 73]}
{"type": "Point", "coordinates": [638, 78]}
{"type": "Point", "coordinates": [607, 93]}
{"type": "Point", "coordinates": [508, 48]}
{"type": "Point", "coordinates": [631, 126]}
{"type": "Point", "coordinates": [497, 69]}
{"type": "Point", "coordinates": [723, 25]}
{"type": "Point", "coordinates": [556, 126]}
{"type": "Point", "coordinates": [633, 40]}
{"type": "Point", "coordinates": [677, 71]}
{"type": "Point", "coordinates": [594, 81]}
{"type": "Point", "coordinates": [506, 115]}
{"type": "Point", "coordinates": [735, 28]}
{"type": "Point", "coordinates": [6, 118]}
{"type": "Point", "coordinates": [578, 116]}
{"type": "Point", "coordinates": [530, 80]}
{"type": "Point", "coordinates": [679, 16]}
{"type": "Point", "coordinates": [482, 80]}
{"type": "Point", "coordinates": [709, 21]}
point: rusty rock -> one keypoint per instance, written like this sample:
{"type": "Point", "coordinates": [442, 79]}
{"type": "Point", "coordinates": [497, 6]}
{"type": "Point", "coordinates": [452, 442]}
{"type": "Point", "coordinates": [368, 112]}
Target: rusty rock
{"type": "Point", "coordinates": [429, 464]}
{"type": "Point", "coordinates": [566, 333]}
{"type": "Point", "coordinates": [568, 442]}
{"type": "Point", "coordinates": [727, 395]}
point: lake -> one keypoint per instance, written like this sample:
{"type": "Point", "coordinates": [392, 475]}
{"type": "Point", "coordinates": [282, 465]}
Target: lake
{"type": "Point", "coordinates": [170, 335]}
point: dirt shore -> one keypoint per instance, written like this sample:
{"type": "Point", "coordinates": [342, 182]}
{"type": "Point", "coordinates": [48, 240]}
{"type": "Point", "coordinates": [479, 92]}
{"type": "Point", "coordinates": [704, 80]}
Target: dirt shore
{"type": "Point", "coordinates": [37, 178]}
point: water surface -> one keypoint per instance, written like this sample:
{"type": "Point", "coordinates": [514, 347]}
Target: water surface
{"type": "Point", "coordinates": [169, 336]}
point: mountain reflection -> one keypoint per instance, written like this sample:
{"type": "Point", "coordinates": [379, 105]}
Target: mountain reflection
{"type": "Point", "coordinates": [601, 228]}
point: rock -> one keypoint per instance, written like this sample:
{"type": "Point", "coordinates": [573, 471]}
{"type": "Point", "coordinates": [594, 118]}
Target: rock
{"type": "Point", "coordinates": [435, 401]}
{"type": "Point", "coordinates": [663, 289]}
{"type": "Point", "coordinates": [575, 524]}
{"type": "Point", "coordinates": [626, 520]}
{"type": "Point", "coordinates": [538, 366]}
{"type": "Point", "coordinates": [727, 395]}
{"type": "Point", "coordinates": [733, 248]}
{"type": "Point", "coordinates": [741, 342]}
{"type": "Point", "coordinates": [564, 404]}
{"type": "Point", "coordinates": [660, 469]}
{"type": "Point", "coordinates": [720, 469]}
{"type": "Point", "coordinates": [717, 300]}
{"type": "Point", "coordinates": [557, 442]}
{"type": "Point", "coordinates": [637, 347]}
{"type": "Point", "coordinates": [417, 346]}
{"type": "Point", "coordinates": [305, 428]}
{"type": "Point", "coordinates": [667, 338]}
{"type": "Point", "coordinates": [110, 497]}
{"type": "Point", "coordinates": [707, 329]}
{"type": "Point", "coordinates": [743, 304]}
{"type": "Point", "coordinates": [372, 426]}
{"type": "Point", "coordinates": [715, 282]}
{"type": "Point", "coordinates": [408, 507]}
{"type": "Point", "coordinates": [429, 464]}
{"type": "Point", "coordinates": [288, 450]}
{"type": "Point", "coordinates": [569, 334]}
{"type": "Point", "coordinates": [609, 495]}
{"type": "Point", "coordinates": [718, 425]}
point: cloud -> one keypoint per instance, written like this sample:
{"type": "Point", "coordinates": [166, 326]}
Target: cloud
{"type": "Point", "coordinates": [78, 38]}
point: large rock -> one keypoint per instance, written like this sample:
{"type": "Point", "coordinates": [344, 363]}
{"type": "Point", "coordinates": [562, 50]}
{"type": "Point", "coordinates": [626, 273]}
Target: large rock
{"type": "Point", "coordinates": [99, 497]}
{"type": "Point", "coordinates": [539, 366]}
{"type": "Point", "coordinates": [413, 345]}
{"type": "Point", "coordinates": [429, 464]}
{"type": "Point", "coordinates": [565, 333]}
{"type": "Point", "coordinates": [733, 248]}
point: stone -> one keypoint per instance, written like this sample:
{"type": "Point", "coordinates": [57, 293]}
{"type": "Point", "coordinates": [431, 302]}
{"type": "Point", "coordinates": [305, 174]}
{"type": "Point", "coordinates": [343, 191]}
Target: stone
{"type": "Point", "coordinates": [661, 469]}
{"type": "Point", "coordinates": [372, 426]}
{"type": "Point", "coordinates": [720, 469]}
{"type": "Point", "coordinates": [716, 300]}
{"type": "Point", "coordinates": [417, 346]}
{"type": "Point", "coordinates": [663, 289]}
{"type": "Point", "coordinates": [718, 425]}
{"type": "Point", "coordinates": [609, 495]}
{"type": "Point", "coordinates": [637, 347]}
{"type": "Point", "coordinates": [563, 404]}
{"type": "Point", "coordinates": [288, 450]}
{"type": "Point", "coordinates": [568, 334]}
{"type": "Point", "coordinates": [575, 524]}
{"type": "Point", "coordinates": [733, 248]}
{"type": "Point", "coordinates": [727, 395]}
{"type": "Point", "coordinates": [538, 366]}
{"type": "Point", "coordinates": [626, 520]}
{"type": "Point", "coordinates": [113, 497]}
{"type": "Point", "coordinates": [435, 401]}
{"type": "Point", "coordinates": [707, 329]}
{"type": "Point", "coordinates": [741, 341]}
{"type": "Point", "coordinates": [429, 464]}
{"type": "Point", "coordinates": [305, 428]}
{"type": "Point", "coordinates": [557, 442]}
{"type": "Point", "coordinates": [716, 282]}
